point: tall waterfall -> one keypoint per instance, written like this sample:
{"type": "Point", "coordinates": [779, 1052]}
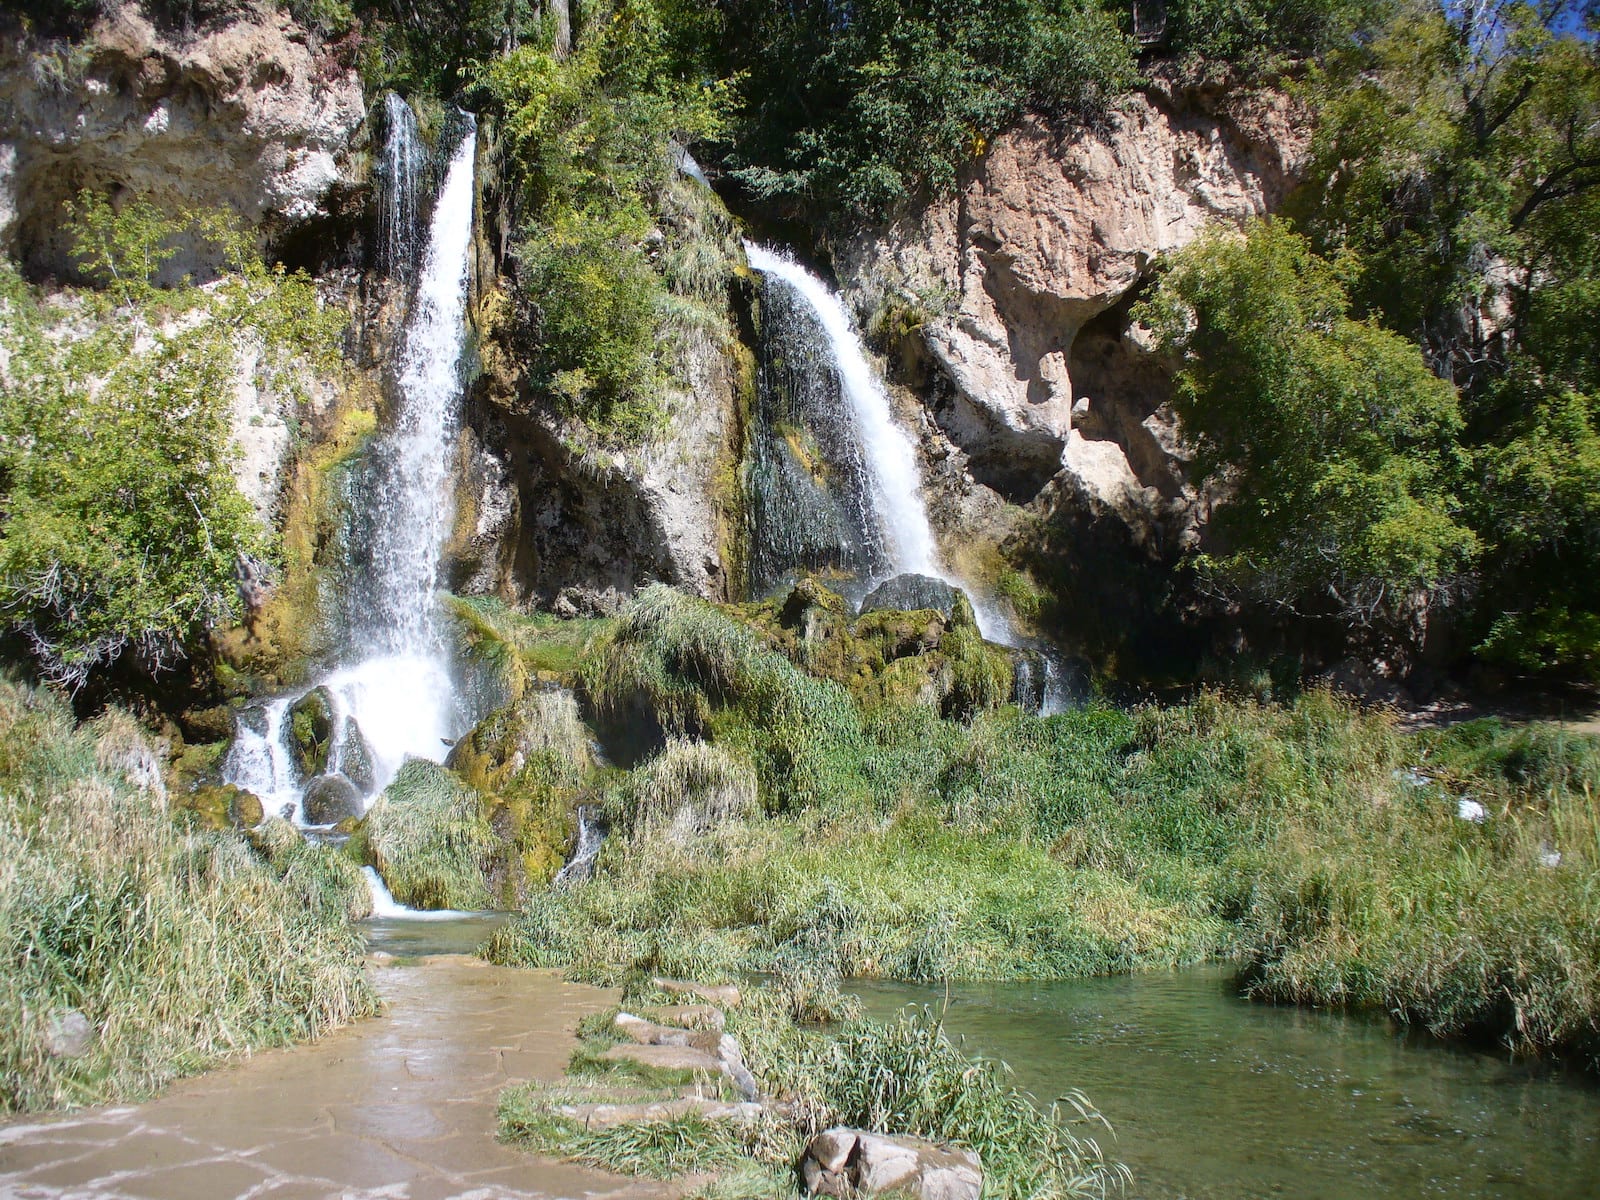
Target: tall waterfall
{"type": "Point", "coordinates": [891, 459]}
{"type": "Point", "coordinates": [393, 698]}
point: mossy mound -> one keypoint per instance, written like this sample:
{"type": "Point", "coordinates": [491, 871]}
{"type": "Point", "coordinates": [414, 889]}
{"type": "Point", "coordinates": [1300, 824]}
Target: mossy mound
{"type": "Point", "coordinates": [428, 837]}
{"type": "Point", "coordinates": [891, 656]}
{"type": "Point", "coordinates": [532, 763]}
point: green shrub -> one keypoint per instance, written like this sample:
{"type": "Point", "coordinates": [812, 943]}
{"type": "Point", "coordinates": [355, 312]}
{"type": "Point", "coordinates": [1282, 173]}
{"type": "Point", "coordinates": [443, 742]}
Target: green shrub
{"type": "Point", "coordinates": [123, 522]}
{"type": "Point", "coordinates": [178, 947]}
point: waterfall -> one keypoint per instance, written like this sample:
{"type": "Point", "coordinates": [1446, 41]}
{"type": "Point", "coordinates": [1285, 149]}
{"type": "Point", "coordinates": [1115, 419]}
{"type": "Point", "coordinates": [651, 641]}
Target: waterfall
{"type": "Point", "coordinates": [393, 698]}
{"type": "Point", "coordinates": [591, 836]}
{"type": "Point", "coordinates": [887, 532]}
{"type": "Point", "coordinates": [411, 485]}
{"type": "Point", "coordinates": [891, 458]}
{"type": "Point", "coordinates": [399, 175]}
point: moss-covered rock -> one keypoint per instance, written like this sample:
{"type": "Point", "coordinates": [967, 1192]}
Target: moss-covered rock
{"type": "Point", "coordinates": [311, 732]}
{"type": "Point", "coordinates": [531, 761]}
{"type": "Point", "coordinates": [428, 837]}
{"type": "Point", "coordinates": [221, 806]}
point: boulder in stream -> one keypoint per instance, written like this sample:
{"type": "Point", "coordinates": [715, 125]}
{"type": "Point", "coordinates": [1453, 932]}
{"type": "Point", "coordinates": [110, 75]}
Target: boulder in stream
{"type": "Point", "coordinates": [909, 593]}
{"type": "Point", "coordinates": [329, 799]}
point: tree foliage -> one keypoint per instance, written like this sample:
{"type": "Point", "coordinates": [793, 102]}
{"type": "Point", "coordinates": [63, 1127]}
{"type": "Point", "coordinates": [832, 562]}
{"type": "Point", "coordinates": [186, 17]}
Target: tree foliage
{"type": "Point", "coordinates": [590, 139]}
{"type": "Point", "coordinates": [1334, 444]}
{"type": "Point", "coordinates": [122, 522]}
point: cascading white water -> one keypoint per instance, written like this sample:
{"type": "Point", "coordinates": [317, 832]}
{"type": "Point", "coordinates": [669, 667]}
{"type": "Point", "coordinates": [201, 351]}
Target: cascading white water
{"type": "Point", "coordinates": [412, 489]}
{"type": "Point", "coordinates": [891, 457]}
{"type": "Point", "coordinates": [396, 687]}
{"type": "Point", "coordinates": [400, 176]}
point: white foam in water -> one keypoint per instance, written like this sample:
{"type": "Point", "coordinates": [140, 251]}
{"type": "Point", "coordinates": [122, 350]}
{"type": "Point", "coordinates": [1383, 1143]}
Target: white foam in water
{"type": "Point", "coordinates": [386, 908]}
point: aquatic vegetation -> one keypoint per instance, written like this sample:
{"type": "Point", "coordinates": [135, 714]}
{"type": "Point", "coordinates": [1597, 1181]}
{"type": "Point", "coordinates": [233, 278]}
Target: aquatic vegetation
{"type": "Point", "coordinates": [136, 951]}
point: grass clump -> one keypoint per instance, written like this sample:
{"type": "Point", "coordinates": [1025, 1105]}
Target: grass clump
{"type": "Point", "coordinates": [428, 839]}
{"type": "Point", "coordinates": [677, 667]}
{"type": "Point", "coordinates": [687, 1145]}
{"type": "Point", "coordinates": [177, 947]}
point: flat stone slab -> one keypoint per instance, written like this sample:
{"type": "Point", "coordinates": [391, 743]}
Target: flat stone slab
{"type": "Point", "coordinates": [726, 996]}
{"type": "Point", "coordinates": [648, 1033]}
{"type": "Point", "coordinates": [666, 1058]}
{"type": "Point", "coordinates": [704, 1017]}
{"type": "Point", "coordinates": [604, 1116]}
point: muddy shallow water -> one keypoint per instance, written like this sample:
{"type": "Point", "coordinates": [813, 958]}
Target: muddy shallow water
{"type": "Point", "coordinates": [399, 1106]}
{"type": "Point", "coordinates": [1213, 1097]}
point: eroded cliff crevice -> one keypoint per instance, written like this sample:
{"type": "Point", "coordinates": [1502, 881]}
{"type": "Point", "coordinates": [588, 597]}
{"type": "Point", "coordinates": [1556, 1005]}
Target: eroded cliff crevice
{"type": "Point", "coordinates": [1021, 281]}
{"type": "Point", "coordinates": [252, 115]}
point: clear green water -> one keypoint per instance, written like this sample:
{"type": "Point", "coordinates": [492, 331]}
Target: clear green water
{"type": "Point", "coordinates": [1212, 1097]}
{"type": "Point", "coordinates": [416, 939]}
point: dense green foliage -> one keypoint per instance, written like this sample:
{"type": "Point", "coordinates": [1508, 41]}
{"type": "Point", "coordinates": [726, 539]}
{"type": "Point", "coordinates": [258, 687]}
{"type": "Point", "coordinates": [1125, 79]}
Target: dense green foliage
{"type": "Point", "coordinates": [1338, 443]}
{"type": "Point", "coordinates": [428, 839]}
{"type": "Point", "coordinates": [122, 520]}
{"type": "Point", "coordinates": [903, 845]}
{"type": "Point", "coordinates": [177, 948]}
{"type": "Point", "coordinates": [1451, 199]}
{"type": "Point", "coordinates": [588, 141]}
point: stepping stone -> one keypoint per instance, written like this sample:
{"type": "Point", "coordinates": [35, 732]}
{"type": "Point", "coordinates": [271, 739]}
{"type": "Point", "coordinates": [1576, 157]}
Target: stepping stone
{"type": "Point", "coordinates": [687, 1016]}
{"type": "Point", "coordinates": [604, 1116]}
{"type": "Point", "coordinates": [726, 996]}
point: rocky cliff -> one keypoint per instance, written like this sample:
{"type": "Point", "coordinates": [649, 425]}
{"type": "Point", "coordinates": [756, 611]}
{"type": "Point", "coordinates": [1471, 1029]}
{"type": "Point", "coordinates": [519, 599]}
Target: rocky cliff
{"type": "Point", "coordinates": [1014, 292]}
{"type": "Point", "coordinates": [251, 115]}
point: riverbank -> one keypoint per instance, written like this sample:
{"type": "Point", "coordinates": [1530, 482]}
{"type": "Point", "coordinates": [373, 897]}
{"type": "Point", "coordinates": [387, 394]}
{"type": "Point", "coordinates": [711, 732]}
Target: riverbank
{"type": "Point", "coordinates": [404, 1102]}
{"type": "Point", "coordinates": [1444, 877]}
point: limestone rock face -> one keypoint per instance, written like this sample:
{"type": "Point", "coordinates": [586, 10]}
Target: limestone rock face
{"type": "Point", "coordinates": [1044, 246]}
{"type": "Point", "coordinates": [544, 515]}
{"type": "Point", "coordinates": [248, 115]}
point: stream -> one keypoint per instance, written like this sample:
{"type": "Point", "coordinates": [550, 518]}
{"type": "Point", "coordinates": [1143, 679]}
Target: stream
{"type": "Point", "coordinates": [1213, 1097]}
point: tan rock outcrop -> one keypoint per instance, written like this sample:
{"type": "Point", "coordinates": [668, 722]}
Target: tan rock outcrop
{"type": "Point", "coordinates": [1050, 230]}
{"type": "Point", "coordinates": [250, 115]}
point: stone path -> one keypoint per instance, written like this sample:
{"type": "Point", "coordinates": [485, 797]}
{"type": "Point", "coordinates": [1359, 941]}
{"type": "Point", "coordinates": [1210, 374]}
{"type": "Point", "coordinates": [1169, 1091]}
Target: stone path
{"type": "Point", "coordinates": [398, 1108]}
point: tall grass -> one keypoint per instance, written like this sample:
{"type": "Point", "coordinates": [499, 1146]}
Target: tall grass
{"type": "Point", "coordinates": [1291, 836]}
{"type": "Point", "coordinates": [677, 667]}
{"type": "Point", "coordinates": [178, 947]}
{"type": "Point", "coordinates": [427, 836]}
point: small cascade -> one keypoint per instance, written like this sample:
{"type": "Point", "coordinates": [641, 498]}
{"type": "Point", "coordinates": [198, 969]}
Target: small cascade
{"type": "Point", "coordinates": [259, 760]}
{"type": "Point", "coordinates": [835, 481]}
{"type": "Point", "coordinates": [591, 835]}
{"type": "Point", "coordinates": [399, 172]}
{"type": "Point", "coordinates": [394, 698]}
{"type": "Point", "coordinates": [386, 908]}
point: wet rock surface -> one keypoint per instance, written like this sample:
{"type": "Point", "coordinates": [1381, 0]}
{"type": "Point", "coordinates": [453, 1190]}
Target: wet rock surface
{"type": "Point", "coordinates": [403, 1105]}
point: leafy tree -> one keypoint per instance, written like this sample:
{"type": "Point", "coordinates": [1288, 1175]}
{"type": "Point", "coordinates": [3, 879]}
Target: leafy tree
{"type": "Point", "coordinates": [1455, 173]}
{"type": "Point", "coordinates": [122, 523]}
{"type": "Point", "coordinates": [1333, 444]}
{"type": "Point", "coordinates": [589, 139]}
